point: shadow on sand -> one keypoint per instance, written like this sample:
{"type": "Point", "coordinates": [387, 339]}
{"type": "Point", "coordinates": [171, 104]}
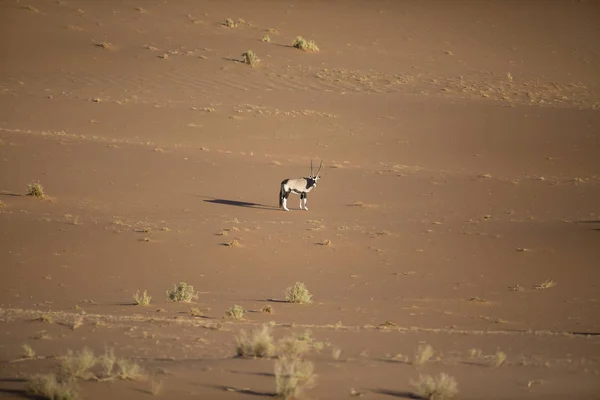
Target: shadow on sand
{"type": "Point", "coordinates": [237, 203]}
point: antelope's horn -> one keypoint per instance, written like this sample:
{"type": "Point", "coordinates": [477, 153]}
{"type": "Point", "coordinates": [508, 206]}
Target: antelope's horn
{"type": "Point", "coordinates": [311, 168]}
{"type": "Point", "coordinates": [320, 166]}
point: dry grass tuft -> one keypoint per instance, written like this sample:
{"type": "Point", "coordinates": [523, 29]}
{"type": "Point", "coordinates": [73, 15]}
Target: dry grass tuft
{"type": "Point", "coordinates": [497, 359]}
{"type": "Point", "coordinates": [77, 365]}
{"type": "Point", "coordinates": [107, 362]}
{"type": "Point", "coordinates": [326, 242]}
{"type": "Point", "coordinates": [298, 293]}
{"type": "Point", "coordinates": [141, 299]}
{"type": "Point", "coordinates": [547, 284]}
{"type": "Point", "coordinates": [233, 243]}
{"type": "Point", "coordinates": [35, 190]}
{"type": "Point", "coordinates": [30, 8]}
{"type": "Point", "coordinates": [49, 387]}
{"type": "Point", "coordinates": [442, 387]}
{"type": "Point", "coordinates": [229, 23]}
{"type": "Point", "coordinates": [196, 312]}
{"type": "Point", "coordinates": [235, 312]}
{"type": "Point", "coordinates": [129, 370]}
{"type": "Point", "coordinates": [28, 352]}
{"type": "Point", "coordinates": [266, 38]}
{"type": "Point", "coordinates": [305, 45]}
{"type": "Point", "coordinates": [259, 343]}
{"type": "Point", "coordinates": [293, 377]}
{"type": "Point", "coordinates": [268, 309]}
{"type": "Point", "coordinates": [296, 346]}
{"type": "Point", "coordinates": [105, 45]}
{"type": "Point", "coordinates": [423, 354]}
{"type": "Point", "coordinates": [155, 386]}
{"type": "Point", "coordinates": [250, 58]}
{"type": "Point", "coordinates": [182, 292]}
{"type": "Point", "coordinates": [2, 204]}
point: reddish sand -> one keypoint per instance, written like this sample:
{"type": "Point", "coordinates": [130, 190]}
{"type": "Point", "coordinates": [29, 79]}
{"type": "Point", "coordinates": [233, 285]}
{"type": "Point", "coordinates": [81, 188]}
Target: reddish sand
{"type": "Point", "coordinates": [462, 170]}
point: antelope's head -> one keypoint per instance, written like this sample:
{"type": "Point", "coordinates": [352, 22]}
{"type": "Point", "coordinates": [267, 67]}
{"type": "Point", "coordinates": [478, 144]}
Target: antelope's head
{"type": "Point", "coordinates": [316, 177]}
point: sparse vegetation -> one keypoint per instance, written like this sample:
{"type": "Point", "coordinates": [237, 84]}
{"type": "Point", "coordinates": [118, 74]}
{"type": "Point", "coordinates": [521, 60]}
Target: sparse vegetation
{"type": "Point", "coordinates": [266, 39]}
{"type": "Point", "coordinates": [296, 346]}
{"type": "Point", "coordinates": [35, 190]}
{"type": "Point", "coordinates": [196, 312]}
{"type": "Point", "coordinates": [298, 293]}
{"type": "Point", "coordinates": [105, 45]}
{"type": "Point", "coordinates": [293, 377]}
{"type": "Point", "coordinates": [28, 352]}
{"type": "Point", "coordinates": [2, 204]}
{"type": "Point", "coordinates": [107, 361]}
{"type": "Point", "coordinates": [268, 309]}
{"type": "Point", "coordinates": [229, 23]}
{"type": "Point", "coordinates": [182, 292]}
{"type": "Point", "coordinates": [235, 312]}
{"type": "Point", "coordinates": [129, 370]}
{"type": "Point", "coordinates": [48, 386]}
{"type": "Point", "coordinates": [141, 299]}
{"type": "Point", "coordinates": [77, 365]}
{"type": "Point", "coordinates": [498, 359]}
{"type": "Point", "coordinates": [259, 343]}
{"type": "Point", "coordinates": [250, 58]}
{"type": "Point", "coordinates": [439, 388]}
{"type": "Point", "coordinates": [326, 242]}
{"type": "Point", "coordinates": [547, 284]}
{"type": "Point", "coordinates": [305, 45]}
{"type": "Point", "coordinates": [233, 243]}
{"type": "Point", "coordinates": [423, 354]}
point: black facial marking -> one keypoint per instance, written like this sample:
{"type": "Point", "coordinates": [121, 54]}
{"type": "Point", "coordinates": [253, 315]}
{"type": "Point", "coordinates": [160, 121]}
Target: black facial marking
{"type": "Point", "coordinates": [310, 182]}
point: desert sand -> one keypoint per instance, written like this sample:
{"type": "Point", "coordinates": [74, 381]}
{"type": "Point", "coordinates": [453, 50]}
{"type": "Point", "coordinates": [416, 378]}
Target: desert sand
{"type": "Point", "coordinates": [458, 205]}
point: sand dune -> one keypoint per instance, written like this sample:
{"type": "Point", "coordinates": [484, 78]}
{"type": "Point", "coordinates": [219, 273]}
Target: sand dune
{"type": "Point", "coordinates": [458, 205]}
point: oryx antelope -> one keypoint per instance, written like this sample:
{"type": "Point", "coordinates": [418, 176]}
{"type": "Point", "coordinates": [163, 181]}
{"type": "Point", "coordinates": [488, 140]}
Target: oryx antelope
{"type": "Point", "coordinates": [299, 186]}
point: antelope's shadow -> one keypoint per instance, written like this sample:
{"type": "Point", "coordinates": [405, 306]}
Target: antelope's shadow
{"type": "Point", "coordinates": [237, 203]}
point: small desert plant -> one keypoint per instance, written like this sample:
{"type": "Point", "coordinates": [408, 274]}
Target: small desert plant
{"type": "Point", "coordinates": [141, 299]}
{"type": "Point", "coordinates": [442, 387]}
{"type": "Point", "coordinates": [423, 354]}
{"type": "Point", "coordinates": [258, 344]}
{"type": "Point", "coordinates": [28, 352]}
{"type": "Point", "coordinates": [546, 284]}
{"type": "Point", "coordinates": [107, 361]}
{"type": "Point", "coordinates": [305, 45]}
{"type": "Point", "coordinates": [230, 23]}
{"type": "Point", "coordinates": [129, 371]}
{"type": "Point", "coordinates": [235, 312]}
{"type": "Point", "coordinates": [155, 386]}
{"type": "Point", "coordinates": [196, 312]}
{"type": "Point", "coordinates": [296, 346]}
{"type": "Point", "coordinates": [268, 309]}
{"type": "Point", "coordinates": [298, 293]}
{"type": "Point", "coordinates": [182, 292]}
{"type": "Point", "coordinates": [77, 365]}
{"type": "Point", "coordinates": [36, 190]}
{"type": "Point", "coordinates": [474, 353]}
{"type": "Point", "coordinates": [497, 359]}
{"type": "Point", "coordinates": [2, 204]}
{"type": "Point", "coordinates": [250, 58]}
{"type": "Point", "coordinates": [293, 377]}
{"type": "Point", "coordinates": [266, 39]}
{"type": "Point", "coordinates": [49, 387]}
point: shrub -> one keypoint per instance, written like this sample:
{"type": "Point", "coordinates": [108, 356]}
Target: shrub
{"type": "Point", "coordinates": [423, 354]}
{"type": "Point", "coordinates": [250, 58]}
{"type": "Point", "coordinates": [296, 346]}
{"type": "Point", "coordinates": [35, 190]}
{"type": "Point", "coordinates": [28, 352]}
{"type": "Point", "coordinates": [141, 299]}
{"type": "Point", "coordinates": [182, 292]}
{"type": "Point", "coordinates": [77, 365]}
{"type": "Point", "coordinates": [305, 45]}
{"type": "Point", "coordinates": [442, 387]}
{"type": "Point", "coordinates": [293, 377]}
{"type": "Point", "coordinates": [49, 387]}
{"type": "Point", "coordinates": [258, 344]}
{"type": "Point", "coordinates": [298, 294]}
{"type": "Point", "coordinates": [235, 312]}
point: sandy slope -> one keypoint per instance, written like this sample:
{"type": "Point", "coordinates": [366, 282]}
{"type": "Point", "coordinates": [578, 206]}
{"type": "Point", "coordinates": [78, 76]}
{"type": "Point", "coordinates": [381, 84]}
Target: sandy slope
{"type": "Point", "coordinates": [460, 143]}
